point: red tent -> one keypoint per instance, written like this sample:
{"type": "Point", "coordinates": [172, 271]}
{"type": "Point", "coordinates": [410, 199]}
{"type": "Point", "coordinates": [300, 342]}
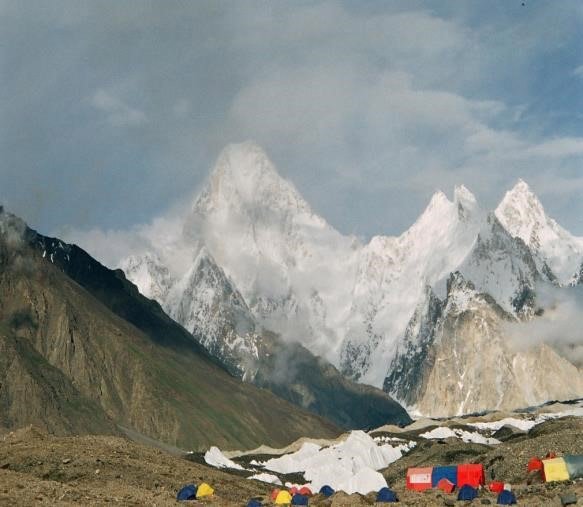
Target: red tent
{"type": "Point", "coordinates": [534, 464]}
{"type": "Point", "coordinates": [471, 474]}
{"type": "Point", "coordinates": [496, 487]}
{"type": "Point", "coordinates": [446, 485]}
{"type": "Point", "coordinates": [419, 479]}
{"type": "Point", "coordinates": [305, 491]}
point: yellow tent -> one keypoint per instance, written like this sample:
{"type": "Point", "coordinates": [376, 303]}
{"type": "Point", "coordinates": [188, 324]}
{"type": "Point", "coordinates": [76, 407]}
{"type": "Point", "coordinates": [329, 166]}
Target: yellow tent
{"type": "Point", "coordinates": [555, 470]}
{"type": "Point", "coordinates": [204, 490]}
{"type": "Point", "coordinates": [283, 498]}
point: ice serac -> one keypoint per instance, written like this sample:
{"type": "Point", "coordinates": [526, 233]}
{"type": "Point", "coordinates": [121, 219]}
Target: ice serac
{"type": "Point", "coordinates": [523, 216]}
{"type": "Point", "coordinates": [474, 364]}
{"type": "Point", "coordinates": [392, 276]}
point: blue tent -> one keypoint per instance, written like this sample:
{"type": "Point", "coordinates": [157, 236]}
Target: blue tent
{"type": "Point", "coordinates": [299, 500]}
{"type": "Point", "coordinates": [386, 495]}
{"type": "Point", "coordinates": [326, 491]}
{"type": "Point", "coordinates": [466, 492]}
{"type": "Point", "coordinates": [506, 498]}
{"type": "Point", "coordinates": [254, 503]}
{"type": "Point", "coordinates": [438, 473]}
{"type": "Point", "coordinates": [187, 493]}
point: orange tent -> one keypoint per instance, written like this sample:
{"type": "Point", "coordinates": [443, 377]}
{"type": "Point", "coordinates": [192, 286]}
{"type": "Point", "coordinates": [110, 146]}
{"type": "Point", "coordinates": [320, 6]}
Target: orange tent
{"type": "Point", "coordinates": [446, 485]}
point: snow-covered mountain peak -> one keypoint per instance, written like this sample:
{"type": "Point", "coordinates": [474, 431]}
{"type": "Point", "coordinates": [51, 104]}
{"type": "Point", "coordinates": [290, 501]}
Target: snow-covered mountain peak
{"type": "Point", "coordinates": [462, 194]}
{"type": "Point", "coordinates": [466, 203]}
{"type": "Point", "coordinates": [244, 179]}
{"type": "Point", "coordinates": [522, 214]}
{"type": "Point", "coordinates": [149, 273]}
{"type": "Point", "coordinates": [520, 211]}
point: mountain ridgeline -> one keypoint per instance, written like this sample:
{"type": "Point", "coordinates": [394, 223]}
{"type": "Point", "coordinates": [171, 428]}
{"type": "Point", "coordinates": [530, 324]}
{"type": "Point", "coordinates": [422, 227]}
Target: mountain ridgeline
{"type": "Point", "coordinates": [434, 316]}
{"type": "Point", "coordinates": [84, 352]}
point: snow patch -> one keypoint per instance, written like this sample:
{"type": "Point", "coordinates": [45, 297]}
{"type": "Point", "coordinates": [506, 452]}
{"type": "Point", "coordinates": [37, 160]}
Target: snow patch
{"type": "Point", "coordinates": [349, 466]}
{"type": "Point", "coordinates": [466, 436]}
{"type": "Point", "coordinates": [214, 457]}
{"type": "Point", "coordinates": [270, 478]}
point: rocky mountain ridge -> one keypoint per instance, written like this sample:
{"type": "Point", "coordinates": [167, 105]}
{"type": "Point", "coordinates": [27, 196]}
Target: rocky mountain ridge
{"type": "Point", "coordinates": [85, 352]}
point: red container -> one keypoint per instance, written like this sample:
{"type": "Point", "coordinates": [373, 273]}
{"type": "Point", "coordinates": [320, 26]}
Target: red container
{"type": "Point", "coordinates": [419, 479]}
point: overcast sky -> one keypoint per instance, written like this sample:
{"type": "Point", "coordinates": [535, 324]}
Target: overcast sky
{"type": "Point", "coordinates": [112, 112]}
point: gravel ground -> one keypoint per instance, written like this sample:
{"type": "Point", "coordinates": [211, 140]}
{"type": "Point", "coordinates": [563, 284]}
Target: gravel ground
{"type": "Point", "coordinates": [37, 469]}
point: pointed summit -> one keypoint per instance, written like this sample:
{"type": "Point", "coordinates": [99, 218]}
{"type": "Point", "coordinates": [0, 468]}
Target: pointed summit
{"type": "Point", "coordinates": [465, 201]}
{"type": "Point", "coordinates": [521, 213]}
{"type": "Point", "coordinates": [461, 194]}
{"type": "Point", "coordinates": [244, 178]}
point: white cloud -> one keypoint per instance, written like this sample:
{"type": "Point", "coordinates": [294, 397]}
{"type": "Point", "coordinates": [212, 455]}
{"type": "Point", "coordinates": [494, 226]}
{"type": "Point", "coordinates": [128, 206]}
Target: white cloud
{"type": "Point", "coordinates": [578, 71]}
{"type": "Point", "coordinates": [118, 113]}
{"type": "Point", "coordinates": [559, 326]}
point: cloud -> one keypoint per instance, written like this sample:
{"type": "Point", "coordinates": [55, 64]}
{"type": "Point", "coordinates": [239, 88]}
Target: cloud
{"type": "Point", "coordinates": [367, 108]}
{"type": "Point", "coordinates": [578, 71]}
{"type": "Point", "coordinates": [118, 113]}
{"type": "Point", "coordinates": [559, 326]}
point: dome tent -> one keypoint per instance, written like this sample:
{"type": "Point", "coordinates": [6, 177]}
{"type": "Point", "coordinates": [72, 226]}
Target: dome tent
{"type": "Point", "coordinates": [466, 492]}
{"type": "Point", "coordinates": [387, 496]}
{"type": "Point", "coordinates": [506, 498]}
{"type": "Point", "coordinates": [188, 492]}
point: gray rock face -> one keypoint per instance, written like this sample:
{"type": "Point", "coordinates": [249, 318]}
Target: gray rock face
{"type": "Point", "coordinates": [407, 380]}
{"type": "Point", "coordinates": [457, 375]}
{"type": "Point", "coordinates": [208, 305]}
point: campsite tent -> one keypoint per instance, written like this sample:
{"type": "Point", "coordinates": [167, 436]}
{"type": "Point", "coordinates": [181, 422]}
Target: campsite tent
{"type": "Point", "coordinates": [555, 469]}
{"type": "Point", "coordinates": [419, 479]}
{"type": "Point", "coordinates": [274, 494]}
{"type": "Point", "coordinates": [449, 473]}
{"type": "Point", "coordinates": [283, 498]}
{"type": "Point", "coordinates": [254, 503]}
{"type": "Point", "coordinates": [574, 466]}
{"type": "Point", "coordinates": [298, 499]}
{"type": "Point", "coordinates": [534, 464]}
{"type": "Point", "coordinates": [204, 490]}
{"type": "Point", "coordinates": [446, 485]}
{"type": "Point", "coordinates": [466, 492]}
{"type": "Point", "coordinates": [305, 491]}
{"type": "Point", "coordinates": [506, 498]}
{"type": "Point", "coordinates": [385, 495]}
{"type": "Point", "coordinates": [470, 474]}
{"type": "Point", "coordinates": [496, 487]}
{"type": "Point", "coordinates": [187, 493]}
{"type": "Point", "coordinates": [326, 490]}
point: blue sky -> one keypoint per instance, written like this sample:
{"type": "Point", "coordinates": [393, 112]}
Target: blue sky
{"type": "Point", "coordinates": [113, 112]}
